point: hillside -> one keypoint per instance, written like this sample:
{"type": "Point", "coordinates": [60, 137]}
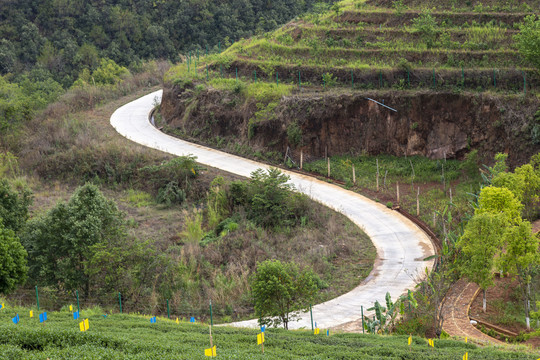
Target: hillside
{"type": "Point", "coordinates": [134, 337]}
{"type": "Point", "coordinates": [453, 73]}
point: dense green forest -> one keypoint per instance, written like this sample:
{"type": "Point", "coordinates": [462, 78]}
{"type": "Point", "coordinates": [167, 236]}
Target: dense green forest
{"type": "Point", "coordinates": [64, 37]}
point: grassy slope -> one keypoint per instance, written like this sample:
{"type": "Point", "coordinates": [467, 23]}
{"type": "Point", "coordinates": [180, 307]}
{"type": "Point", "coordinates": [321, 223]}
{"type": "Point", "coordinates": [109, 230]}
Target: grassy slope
{"type": "Point", "coordinates": [134, 337]}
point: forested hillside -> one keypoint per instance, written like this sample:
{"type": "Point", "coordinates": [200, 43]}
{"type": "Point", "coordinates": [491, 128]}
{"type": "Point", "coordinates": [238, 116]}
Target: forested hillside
{"type": "Point", "coordinates": [65, 37]}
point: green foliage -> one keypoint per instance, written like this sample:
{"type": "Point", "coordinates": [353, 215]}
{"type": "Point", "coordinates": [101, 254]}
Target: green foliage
{"type": "Point", "coordinates": [385, 317]}
{"type": "Point", "coordinates": [193, 232]}
{"type": "Point", "coordinates": [139, 198]}
{"type": "Point", "coordinates": [329, 79]}
{"type": "Point", "coordinates": [60, 243]}
{"type": "Point", "coordinates": [280, 290]}
{"type": "Point", "coordinates": [171, 194]}
{"type": "Point", "coordinates": [427, 26]}
{"type": "Point", "coordinates": [480, 242]}
{"type": "Point", "coordinates": [13, 269]}
{"type": "Point", "coordinates": [14, 205]}
{"type": "Point", "coordinates": [528, 39]}
{"type": "Point", "coordinates": [108, 73]}
{"type": "Point", "coordinates": [294, 134]}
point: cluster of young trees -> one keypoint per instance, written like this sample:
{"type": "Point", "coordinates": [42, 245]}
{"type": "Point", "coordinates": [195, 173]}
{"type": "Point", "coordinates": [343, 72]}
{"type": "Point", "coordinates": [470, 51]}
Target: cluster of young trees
{"type": "Point", "coordinates": [499, 237]}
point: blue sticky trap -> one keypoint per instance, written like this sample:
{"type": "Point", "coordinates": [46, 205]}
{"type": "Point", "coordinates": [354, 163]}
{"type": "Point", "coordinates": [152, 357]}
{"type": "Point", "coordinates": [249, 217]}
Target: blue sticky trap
{"type": "Point", "coordinates": [263, 328]}
{"type": "Point", "coordinates": [16, 319]}
{"type": "Point", "coordinates": [45, 316]}
{"type": "Point", "coordinates": [192, 319]}
{"type": "Point", "coordinates": [42, 317]}
{"type": "Point", "coordinates": [327, 332]}
{"type": "Point", "coordinates": [153, 320]}
{"type": "Point", "coordinates": [315, 324]}
{"type": "Point", "coordinates": [105, 316]}
{"type": "Point", "coordinates": [75, 315]}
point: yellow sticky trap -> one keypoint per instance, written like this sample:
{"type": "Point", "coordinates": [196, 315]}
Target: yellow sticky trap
{"type": "Point", "coordinates": [178, 322]}
{"type": "Point", "coordinates": [465, 339]}
{"type": "Point", "coordinates": [316, 331]}
{"type": "Point", "coordinates": [3, 306]}
{"type": "Point", "coordinates": [466, 356]}
{"type": "Point", "coordinates": [31, 313]}
{"type": "Point", "coordinates": [84, 325]}
{"type": "Point", "coordinates": [260, 338]}
{"type": "Point", "coordinates": [70, 308]}
{"type": "Point", "coordinates": [409, 341]}
{"type": "Point", "coordinates": [210, 352]}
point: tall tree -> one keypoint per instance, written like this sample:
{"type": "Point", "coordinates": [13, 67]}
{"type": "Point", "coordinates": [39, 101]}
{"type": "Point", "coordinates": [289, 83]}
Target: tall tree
{"type": "Point", "coordinates": [62, 243]}
{"type": "Point", "coordinates": [13, 269]}
{"type": "Point", "coordinates": [280, 290]}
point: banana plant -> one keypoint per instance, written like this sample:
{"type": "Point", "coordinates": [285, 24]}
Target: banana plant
{"type": "Point", "coordinates": [384, 320]}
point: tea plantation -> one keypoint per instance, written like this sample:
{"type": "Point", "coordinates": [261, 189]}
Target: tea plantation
{"type": "Point", "coordinates": [118, 336]}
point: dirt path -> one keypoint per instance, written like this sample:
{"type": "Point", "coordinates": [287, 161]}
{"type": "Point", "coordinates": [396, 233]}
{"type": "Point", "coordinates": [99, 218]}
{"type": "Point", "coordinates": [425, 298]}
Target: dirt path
{"type": "Point", "coordinates": [456, 314]}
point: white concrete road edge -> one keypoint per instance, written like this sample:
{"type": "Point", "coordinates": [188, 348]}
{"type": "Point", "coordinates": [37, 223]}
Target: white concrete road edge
{"type": "Point", "coordinates": [401, 245]}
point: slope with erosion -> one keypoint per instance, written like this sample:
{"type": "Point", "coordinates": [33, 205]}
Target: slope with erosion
{"type": "Point", "coordinates": [453, 74]}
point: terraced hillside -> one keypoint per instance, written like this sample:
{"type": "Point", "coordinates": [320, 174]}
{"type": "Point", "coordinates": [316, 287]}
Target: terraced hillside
{"type": "Point", "coordinates": [451, 73]}
{"type": "Point", "coordinates": [398, 45]}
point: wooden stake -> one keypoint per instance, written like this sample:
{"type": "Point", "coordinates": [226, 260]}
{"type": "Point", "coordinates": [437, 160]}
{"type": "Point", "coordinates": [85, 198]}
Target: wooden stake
{"type": "Point", "coordinates": [211, 342]}
{"type": "Point", "coordinates": [353, 175]}
{"type": "Point", "coordinates": [397, 191]}
{"type": "Point", "coordinates": [377, 174]}
{"type": "Point", "coordinates": [418, 202]}
{"type": "Point", "coordinates": [450, 195]}
{"type": "Point", "coordinates": [384, 183]}
{"type": "Point", "coordinates": [434, 219]}
{"type": "Point", "coordinates": [301, 159]}
{"type": "Point", "coordinates": [326, 152]}
{"type": "Point", "coordinates": [328, 160]}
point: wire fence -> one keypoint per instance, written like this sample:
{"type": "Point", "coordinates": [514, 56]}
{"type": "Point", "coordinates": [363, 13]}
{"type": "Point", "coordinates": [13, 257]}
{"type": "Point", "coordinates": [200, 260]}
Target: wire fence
{"type": "Point", "coordinates": [45, 298]}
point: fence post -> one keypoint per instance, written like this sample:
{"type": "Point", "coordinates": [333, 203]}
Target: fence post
{"type": "Point", "coordinates": [219, 47]}
{"type": "Point", "coordinates": [462, 77]}
{"type": "Point", "coordinates": [353, 175]}
{"type": "Point", "coordinates": [211, 315]}
{"type": "Point", "coordinates": [206, 72]}
{"type": "Point", "coordinates": [362, 311]}
{"type": "Point", "coordinates": [380, 78]}
{"type": "Point", "coordinates": [255, 72]}
{"type": "Point", "coordinates": [168, 310]}
{"type": "Point", "coordinates": [120, 301]}
{"type": "Point", "coordinates": [37, 297]}
{"type": "Point", "coordinates": [236, 75]}
{"type": "Point", "coordinates": [277, 78]}
{"type": "Point", "coordinates": [78, 305]}
{"type": "Point", "coordinates": [311, 314]}
{"type": "Point", "coordinates": [197, 54]}
{"type": "Point", "coordinates": [494, 79]}
{"type": "Point", "coordinates": [408, 79]}
{"type": "Point", "coordinates": [352, 80]}
{"type": "Point", "coordinates": [434, 80]}
{"type": "Point", "coordinates": [299, 81]}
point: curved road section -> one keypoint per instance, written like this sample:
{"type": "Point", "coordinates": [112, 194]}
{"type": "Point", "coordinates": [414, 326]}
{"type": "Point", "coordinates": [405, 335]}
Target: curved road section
{"type": "Point", "coordinates": [401, 245]}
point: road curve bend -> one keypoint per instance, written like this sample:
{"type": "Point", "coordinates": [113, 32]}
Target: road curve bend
{"type": "Point", "coordinates": [401, 245]}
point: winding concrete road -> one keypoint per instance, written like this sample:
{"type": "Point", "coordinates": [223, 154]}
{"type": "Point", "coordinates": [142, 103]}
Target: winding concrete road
{"type": "Point", "coordinates": [401, 245]}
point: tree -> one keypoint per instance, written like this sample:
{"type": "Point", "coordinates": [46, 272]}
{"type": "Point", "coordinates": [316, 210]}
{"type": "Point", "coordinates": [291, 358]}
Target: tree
{"type": "Point", "coordinates": [270, 197]}
{"type": "Point", "coordinates": [523, 258]}
{"type": "Point", "coordinates": [528, 39]}
{"type": "Point", "coordinates": [13, 269]}
{"type": "Point", "coordinates": [62, 243]}
{"type": "Point", "coordinates": [14, 205]}
{"type": "Point", "coordinates": [280, 290]}
{"type": "Point", "coordinates": [480, 243]}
